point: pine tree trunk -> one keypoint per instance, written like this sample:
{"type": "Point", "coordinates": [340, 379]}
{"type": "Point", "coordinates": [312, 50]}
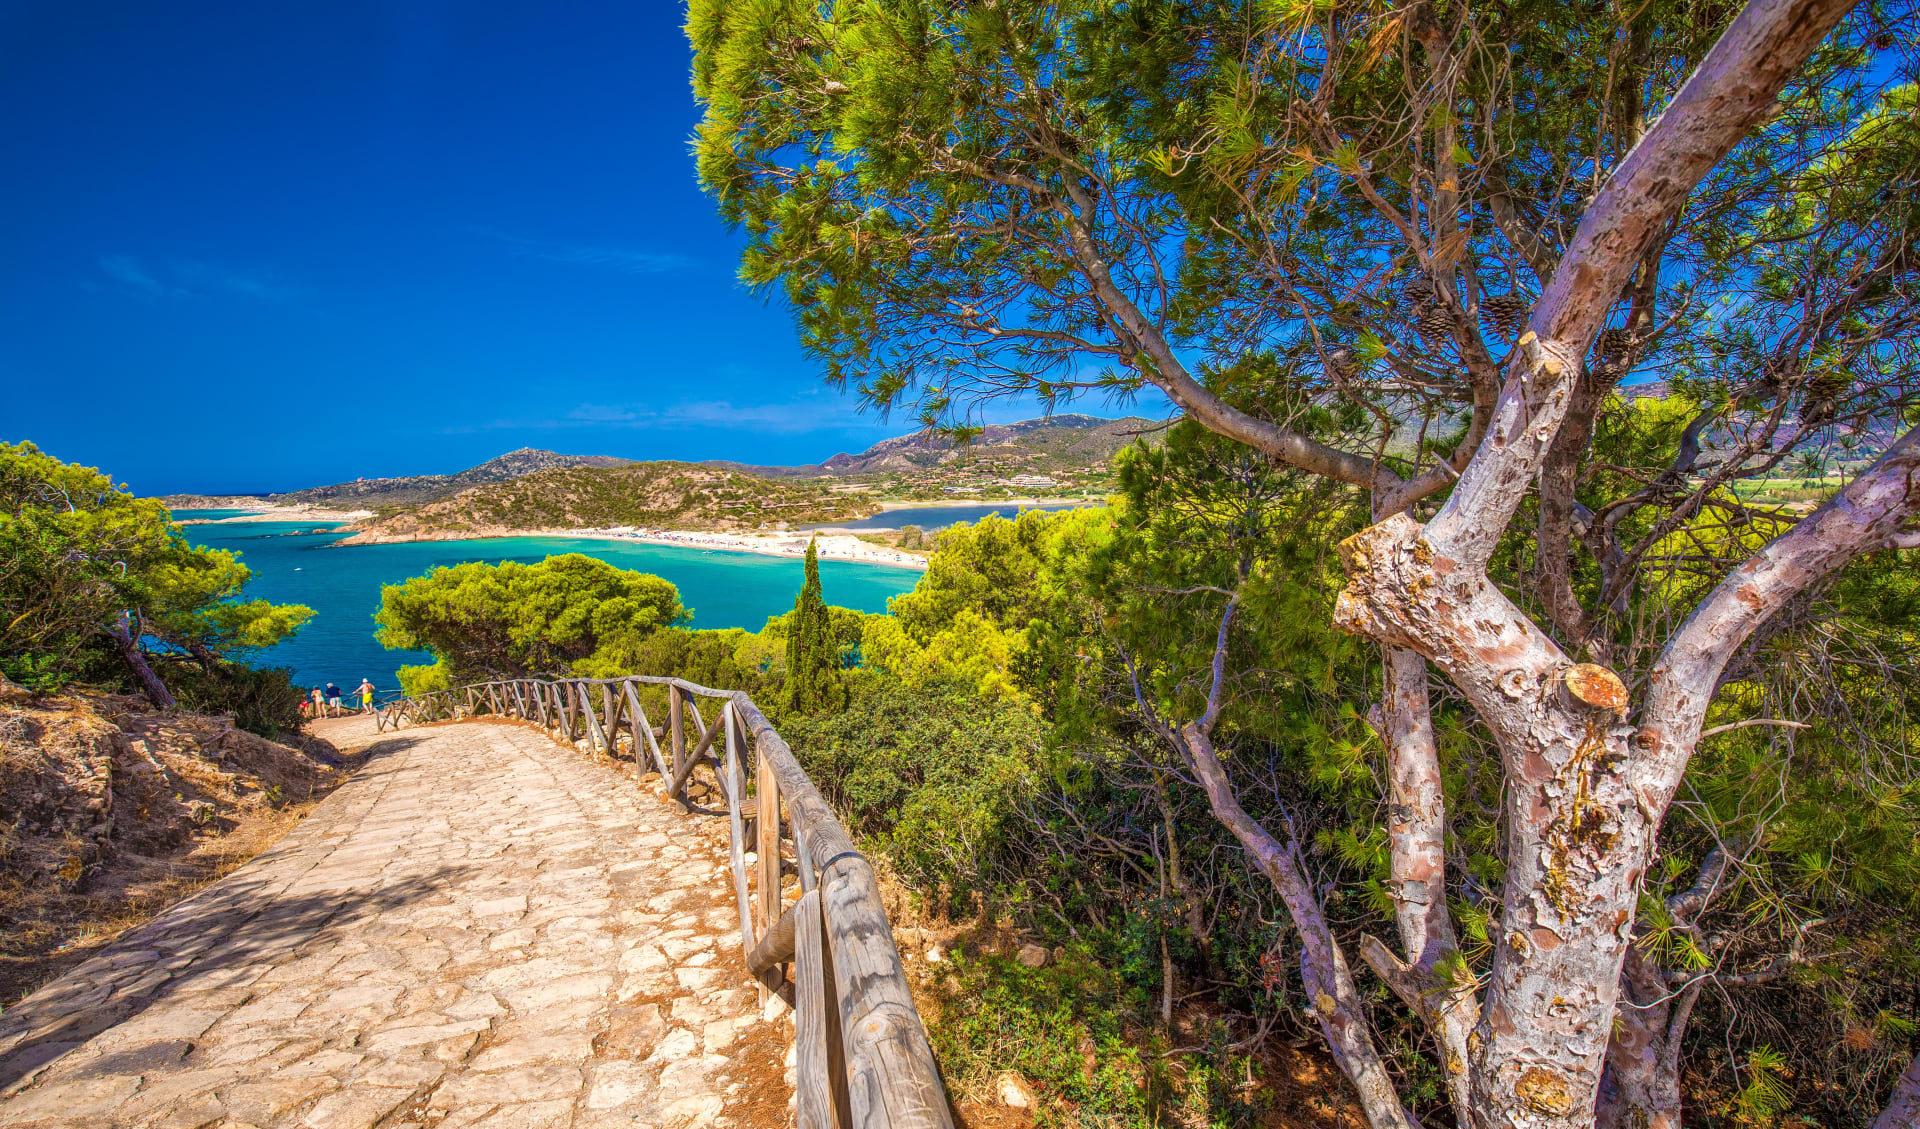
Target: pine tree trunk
{"type": "Point", "coordinates": [1417, 863]}
{"type": "Point", "coordinates": [1640, 1087]}
{"type": "Point", "coordinates": [126, 641]}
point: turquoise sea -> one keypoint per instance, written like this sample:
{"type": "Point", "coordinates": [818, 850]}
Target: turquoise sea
{"type": "Point", "coordinates": [297, 562]}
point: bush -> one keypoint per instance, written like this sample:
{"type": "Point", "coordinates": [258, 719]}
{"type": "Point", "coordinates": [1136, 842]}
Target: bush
{"type": "Point", "coordinates": [1062, 1028]}
{"type": "Point", "coordinates": [425, 678]}
{"type": "Point", "coordinates": [262, 701]}
{"type": "Point", "coordinates": [512, 620]}
{"type": "Point", "coordinates": [928, 774]}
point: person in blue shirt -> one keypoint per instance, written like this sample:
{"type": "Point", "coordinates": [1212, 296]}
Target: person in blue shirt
{"type": "Point", "coordinates": [333, 700]}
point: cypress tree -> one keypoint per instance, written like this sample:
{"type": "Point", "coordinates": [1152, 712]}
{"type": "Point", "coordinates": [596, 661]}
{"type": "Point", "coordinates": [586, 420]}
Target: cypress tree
{"type": "Point", "coordinates": [813, 658]}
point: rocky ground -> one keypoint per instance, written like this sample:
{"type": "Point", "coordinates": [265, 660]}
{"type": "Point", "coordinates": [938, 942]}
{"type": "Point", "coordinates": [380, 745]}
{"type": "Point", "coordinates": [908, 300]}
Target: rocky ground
{"type": "Point", "coordinates": [480, 927]}
{"type": "Point", "coordinates": [109, 810]}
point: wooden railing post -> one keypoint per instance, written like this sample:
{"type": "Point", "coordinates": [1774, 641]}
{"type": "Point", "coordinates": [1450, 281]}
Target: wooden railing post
{"type": "Point", "coordinates": [862, 1056]}
{"type": "Point", "coordinates": [610, 717]}
{"type": "Point", "coordinates": [767, 833]}
{"type": "Point", "coordinates": [677, 737]}
{"type": "Point", "coordinates": [736, 834]}
{"type": "Point", "coordinates": [596, 731]}
{"type": "Point", "coordinates": [818, 1102]}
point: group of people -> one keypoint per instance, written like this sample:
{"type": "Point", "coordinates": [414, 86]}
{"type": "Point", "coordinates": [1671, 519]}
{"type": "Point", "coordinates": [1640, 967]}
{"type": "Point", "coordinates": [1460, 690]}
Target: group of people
{"type": "Point", "coordinates": [325, 701]}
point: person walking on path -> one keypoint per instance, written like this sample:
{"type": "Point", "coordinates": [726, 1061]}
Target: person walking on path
{"type": "Point", "coordinates": [333, 700]}
{"type": "Point", "coordinates": [365, 691]}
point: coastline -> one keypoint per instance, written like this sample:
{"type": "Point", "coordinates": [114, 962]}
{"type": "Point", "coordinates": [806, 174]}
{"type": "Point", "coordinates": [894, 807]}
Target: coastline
{"type": "Point", "coordinates": [836, 543]}
{"type": "Point", "coordinates": [267, 512]}
{"type": "Point", "coordinates": [833, 547]}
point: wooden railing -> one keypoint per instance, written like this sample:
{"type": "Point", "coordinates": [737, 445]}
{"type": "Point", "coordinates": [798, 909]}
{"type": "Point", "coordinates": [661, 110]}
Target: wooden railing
{"type": "Point", "coordinates": [863, 1059]}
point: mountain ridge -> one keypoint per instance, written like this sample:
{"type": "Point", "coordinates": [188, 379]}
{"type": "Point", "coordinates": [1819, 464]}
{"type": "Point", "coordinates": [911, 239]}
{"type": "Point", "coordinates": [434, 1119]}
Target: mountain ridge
{"type": "Point", "coordinates": [1049, 442]}
{"type": "Point", "coordinates": [657, 494]}
{"type": "Point", "coordinates": [413, 489]}
{"type": "Point", "coordinates": [1042, 444]}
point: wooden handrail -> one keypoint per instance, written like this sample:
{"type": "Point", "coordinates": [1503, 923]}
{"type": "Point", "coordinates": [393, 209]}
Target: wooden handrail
{"type": "Point", "coordinates": [863, 1061]}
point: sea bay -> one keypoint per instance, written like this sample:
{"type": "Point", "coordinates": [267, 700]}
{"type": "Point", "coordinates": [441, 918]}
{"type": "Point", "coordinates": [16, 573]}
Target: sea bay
{"type": "Point", "coordinates": [298, 562]}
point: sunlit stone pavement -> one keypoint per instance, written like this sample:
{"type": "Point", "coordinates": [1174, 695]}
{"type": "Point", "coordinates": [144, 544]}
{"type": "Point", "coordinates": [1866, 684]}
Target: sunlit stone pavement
{"type": "Point", "coordinates": [483, 927]}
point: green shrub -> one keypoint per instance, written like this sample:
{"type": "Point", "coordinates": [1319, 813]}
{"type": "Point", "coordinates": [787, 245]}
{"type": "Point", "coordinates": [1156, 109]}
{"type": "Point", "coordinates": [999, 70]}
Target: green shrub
{"type": "Point", "coordinates": [1063, 1028]}
{"type": "Point", "coordinates": [263, 701]}
{"type": "Point", "coordinates": [511, 620]}
{"type": "Point", "coordinates": [425, 678]}
{"type": "Point", "coordinates": [928, 774]}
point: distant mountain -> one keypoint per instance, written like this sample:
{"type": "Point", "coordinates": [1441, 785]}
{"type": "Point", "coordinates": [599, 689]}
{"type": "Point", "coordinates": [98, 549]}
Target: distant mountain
{"type": "Point", "coordinates": [413, 490]}
{"type": "Point", "coordinates": [1053, 443]}
{"type": "Point", "coordinates": [654, 494]}
{"type": "Point", "coordinates": [1037, 447]}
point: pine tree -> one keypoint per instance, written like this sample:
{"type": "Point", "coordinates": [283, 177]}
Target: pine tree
{"type": "Point", "coordinates": [813, 658]}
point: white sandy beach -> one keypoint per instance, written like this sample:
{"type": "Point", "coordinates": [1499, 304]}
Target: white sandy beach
{"type": "Point", "coordinates": [833, 546]}
{"type": "Point", "coordinates": [268, 512]}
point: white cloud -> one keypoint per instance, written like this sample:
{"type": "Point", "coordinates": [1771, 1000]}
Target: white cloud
{"type": "Point", "coordinates": [603, 413]}
{"type": "Point", "coordinates": [788, 418]}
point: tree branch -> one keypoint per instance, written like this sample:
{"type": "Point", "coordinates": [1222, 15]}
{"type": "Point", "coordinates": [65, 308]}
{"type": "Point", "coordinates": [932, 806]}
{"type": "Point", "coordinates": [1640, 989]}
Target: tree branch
{"type": "Point", "coordinates": [1862, 518]}
{"type": "Point", "coordinates": [1730, 92]}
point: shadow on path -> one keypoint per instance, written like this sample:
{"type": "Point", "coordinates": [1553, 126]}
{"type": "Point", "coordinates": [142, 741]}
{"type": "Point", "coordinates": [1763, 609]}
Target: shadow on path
{"type": "Point", "coordinates": [224, 936]}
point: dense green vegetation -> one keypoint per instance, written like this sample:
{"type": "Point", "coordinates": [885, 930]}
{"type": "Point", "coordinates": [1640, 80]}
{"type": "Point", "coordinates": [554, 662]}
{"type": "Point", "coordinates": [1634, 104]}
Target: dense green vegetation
{"type": "Point", "coordinates": [1587, 820]}
{"type": "Point", "coordinates": [99, 587]}
{"type": "Point", "coordinates": [511, 620]}
{"type": "Point", "coordinates": [1000, 743]}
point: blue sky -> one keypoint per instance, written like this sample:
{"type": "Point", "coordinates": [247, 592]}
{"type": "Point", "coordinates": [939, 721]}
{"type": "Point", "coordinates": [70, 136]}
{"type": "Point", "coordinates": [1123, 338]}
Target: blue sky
{"type": "Point", "coordinates": [260, 246]}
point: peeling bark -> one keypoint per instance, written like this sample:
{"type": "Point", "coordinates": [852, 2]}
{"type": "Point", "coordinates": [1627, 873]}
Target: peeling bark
{"type": "Point", "coordinates": [1585, 802]}
{"type": "Point", "coordinates": [1584, 805]}
{"type": "Point", "coordinates": [1417, 875]}
{"type": "Point", "coordinates": [1903, 1105]}
{"type": "Point", "coordinates": [1577, 840]}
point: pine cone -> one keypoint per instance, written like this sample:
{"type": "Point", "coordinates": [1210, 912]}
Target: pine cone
{"type": "Point", "coordinates": [1820, 396]}
{"type": "Point", "coordinates": [1419, 291]}
{"type": "Point", "coordinates": [1436, 324]}
{"type": "Point", "coordinates": [1506, 313]}
{"type": "Point", "coordinates": [1610, 351]}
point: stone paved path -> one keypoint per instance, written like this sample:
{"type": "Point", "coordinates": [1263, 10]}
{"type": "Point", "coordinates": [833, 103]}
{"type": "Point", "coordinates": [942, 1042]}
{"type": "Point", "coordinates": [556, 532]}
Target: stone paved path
{"type": "Point", "coordinates": [482, 927]}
